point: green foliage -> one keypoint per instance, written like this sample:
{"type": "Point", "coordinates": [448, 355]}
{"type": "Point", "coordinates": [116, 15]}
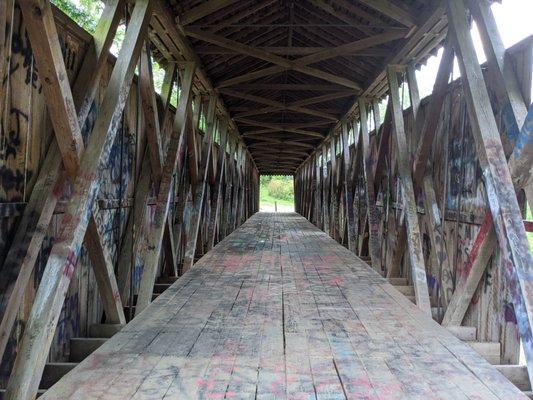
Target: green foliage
{"type": "Point", "coordinates": [278, 188]}
{"type": "Point", "coordinates": [85, 13]}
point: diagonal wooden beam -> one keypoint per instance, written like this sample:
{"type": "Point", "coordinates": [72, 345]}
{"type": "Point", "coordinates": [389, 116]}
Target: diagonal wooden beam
{"type": "Point", "coordinates": [416, 256]}
{"type": "Point", "coordinates": [226, 218]}
{"type": "Point", "coordinates": [154, 139]}
{"type": "Point", "coordinates": [374, 241]}
{"type": "Point", "coordinates": [296, 106]}
{"type": "Point", "coordinates": [278, 127]}
{"type": "Point", "coordinates": [429, 197]}
{"type": "Point", "coordinates": [300, 64]}
{"type": "Point", "coordinates": [291, 87]}
{"type": "Point", "coordinates": [21, 257]}
{"type": "Point", "coordinates": [431, 120]}
{"type": "Point", "coordinates": [501, 195]}
{"type": "Point", "coordinates": [344, 16]}
{"type": "Point", "coordinates": [56, 87]}
{"type": "Point", "coordinates": [281, 63]}
{"type": "Point", "coordinates": [205, 8]}
{"type": "Point", "coordinates": [44, 316]}
{"type": "Point", "coordinates": [348, 190]}
{"type": "Point", "coordinates": [323, 98]}
{"type": "Point", "coordinates": [509, 93]}
{"type": "Point", "coordinates": [391, 10]}
{"type": "Point", "coordinates": [289, 143]}
{"type": "Point", "coordinates": [216, 198]}
{"type": "Point", "coordinates": [149, 256]}
{"type": "Point", "coordinates": [325, 189]}
{"type": "Point", "coordinates": [351, 48]}
{"type": "Point", "coordinates": [131, 243]}
{"type": "Point", "coordinates": [6, 21]}
{"type": "Point", "coordinates": [193, 228]}
{"type": "Point", "coordinates": [274, 106]}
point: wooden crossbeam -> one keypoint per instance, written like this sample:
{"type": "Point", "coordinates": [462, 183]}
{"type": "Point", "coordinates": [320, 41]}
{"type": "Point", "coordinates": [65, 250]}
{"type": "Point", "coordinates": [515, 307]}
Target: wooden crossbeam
{"type": "Point", "coordinates": [296, 106]}
{"type": "Point", "coordinates": [21, 257]}
{"type": "Point", "coordinates": [323, 98]}
{"type": "Point", "coordinates": [274, 106]}
{"type": "Point", "coordinates": [196, 211]}
{"type": "Point", "coordinates": [44, 316]}
{"type": "Point", "coordinates": [416, 256]}
{"type": "Point", "coordinates": [268, 149]}
{"type": "Point", "coordinates": [351, 47]}
{"type": "Point", "coordinates": [290, 87]}
{"type": "Point", "coordinates": [301, 64]}
{"type": "Point", "coordinates": [149, 256]}
{"type": "Point", "coordinates": [205, 8]}
{"type": "Point", "coordinates": [264, 139]}
{"type": "Point", "coordinates": [374, 241]}
{"type": "Point", "coordinates": [292, 51]}
{"type": "Point", "coordinates": [279, 128]}
{"type": "Point", "coordinates": [282, 64]}
{"type": "Point", "coordinates": [497, 177]}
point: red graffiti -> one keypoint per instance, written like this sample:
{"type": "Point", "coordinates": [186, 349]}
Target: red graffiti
{"type": "Point", "coordinates": [480, 238]}
{"type": "Point", "coordinates": [72, 259]}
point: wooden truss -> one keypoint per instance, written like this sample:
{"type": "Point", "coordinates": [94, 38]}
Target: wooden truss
{"type": "Point", "coordinates": [380, 159]}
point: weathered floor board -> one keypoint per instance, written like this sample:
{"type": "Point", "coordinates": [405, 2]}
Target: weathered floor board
{"type": "Point", "coordinates": [280, 310]}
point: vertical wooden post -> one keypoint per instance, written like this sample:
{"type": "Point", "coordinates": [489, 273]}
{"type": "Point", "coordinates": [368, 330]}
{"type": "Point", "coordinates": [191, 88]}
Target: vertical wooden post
{"type": "Point", "coordinates": [150, 255]}
{"type": "Point", "coordinates": [318, 191]}
{"type": "Point", "coordinates": [192, 231]}
{"type": "Point", "coordinates": [436, 229]}
{"type": "Point", "coordinates": [325, 191]}
{"type": "Point", "coordinates": [498, 183]}
{"type": "Point", "coordinates": [348, 190]}
{"type": "Point", "coordinates": [216, 199]}
{"type": "Point", "coordinates": [373, 241]}
{"type": "Point", "coordinates": [334, 206]}
{"type": "Point", "coordinates": [131, 243]}
{"type": "Point", "coordinates": [230, 169]}
{"type": "Point", "coordinates": [154, 141]}
{"type": "Point", "coordinates": [6, 20]}
{"type": "Point", "coordinates": [414, 242]}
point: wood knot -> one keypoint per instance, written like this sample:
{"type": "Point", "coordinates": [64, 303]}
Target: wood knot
{"type": "Point", "coordinates": [38, 11]}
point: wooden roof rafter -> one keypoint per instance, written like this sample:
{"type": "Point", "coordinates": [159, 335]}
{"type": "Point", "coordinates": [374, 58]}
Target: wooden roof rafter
{"type": "Point", "coordinates": [287, 70]}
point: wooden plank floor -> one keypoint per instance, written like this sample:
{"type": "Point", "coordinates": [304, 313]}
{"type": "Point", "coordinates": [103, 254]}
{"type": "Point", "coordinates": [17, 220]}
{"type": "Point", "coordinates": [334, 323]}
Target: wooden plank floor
{"type": "Point", "coordinates": [279, 310]}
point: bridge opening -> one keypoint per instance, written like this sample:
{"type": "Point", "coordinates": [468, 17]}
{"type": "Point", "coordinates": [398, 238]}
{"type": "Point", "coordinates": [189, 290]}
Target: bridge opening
{"type": "Point", "coordinates": [276, 193]}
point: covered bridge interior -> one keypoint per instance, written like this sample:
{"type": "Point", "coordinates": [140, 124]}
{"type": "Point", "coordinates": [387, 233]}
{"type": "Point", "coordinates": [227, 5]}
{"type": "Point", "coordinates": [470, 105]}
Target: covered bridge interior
{"type": "Point", "coordinates": [134, 261]}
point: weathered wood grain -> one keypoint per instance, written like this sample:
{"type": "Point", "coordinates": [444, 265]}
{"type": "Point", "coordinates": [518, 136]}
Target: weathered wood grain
{"type": "Point", "coordinates": [279, 310]}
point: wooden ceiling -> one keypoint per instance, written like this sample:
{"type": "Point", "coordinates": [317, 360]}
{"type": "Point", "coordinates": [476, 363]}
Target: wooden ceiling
{"type": "Point", "coordinates": [288, 71]}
